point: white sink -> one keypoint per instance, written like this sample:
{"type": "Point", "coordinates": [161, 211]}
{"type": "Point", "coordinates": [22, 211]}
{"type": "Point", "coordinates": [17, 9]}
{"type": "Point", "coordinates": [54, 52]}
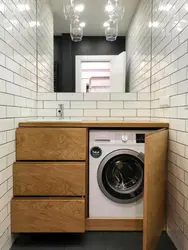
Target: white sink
{"type": "Point", "coordinates": [51, 120]}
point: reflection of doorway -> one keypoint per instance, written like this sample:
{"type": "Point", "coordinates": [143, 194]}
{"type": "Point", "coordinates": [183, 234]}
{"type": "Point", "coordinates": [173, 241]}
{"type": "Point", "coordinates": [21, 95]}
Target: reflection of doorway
{"type": "Point", "coordinates": [100, 73]}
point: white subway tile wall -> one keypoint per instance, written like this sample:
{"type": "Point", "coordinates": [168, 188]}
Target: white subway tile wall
{"type": "Point", "coordinates": [169, 76]}
{"type": "Point", "coordinates": [91, 106]}
{"type": "Point", "coordinates": [18, 85]}
{"type": "Point", "coordinates": [138, 47]}
{"type": "Point", "coordinates": [45, 46]}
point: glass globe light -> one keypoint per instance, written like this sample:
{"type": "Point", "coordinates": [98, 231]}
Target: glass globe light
{"type": "Point", "coordinates": [76, 30]}
{"type": "Point", "coordinates": [111, 30]}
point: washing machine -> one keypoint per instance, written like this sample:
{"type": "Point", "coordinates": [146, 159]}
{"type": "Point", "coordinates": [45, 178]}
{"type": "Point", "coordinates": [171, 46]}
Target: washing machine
{"type": "Point", "coordinates": [116, 173]}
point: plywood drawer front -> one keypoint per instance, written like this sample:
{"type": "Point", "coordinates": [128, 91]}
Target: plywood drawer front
{"type": "Point", "coordinates": [49, 179]}
{"type": "Point", "coordinates": [51, 143]}
{"type": "Point", "coordinates": [47, 215]}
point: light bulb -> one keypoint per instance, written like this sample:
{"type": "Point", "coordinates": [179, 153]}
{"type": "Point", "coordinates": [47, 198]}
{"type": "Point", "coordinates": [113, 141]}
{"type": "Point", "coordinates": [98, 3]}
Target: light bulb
{"type": "Point", "coordinates": [82, 24]}
{"type": "Point", "coordinates": [106, 24]}
{"type": "Point", "coordinates": [79, 7]}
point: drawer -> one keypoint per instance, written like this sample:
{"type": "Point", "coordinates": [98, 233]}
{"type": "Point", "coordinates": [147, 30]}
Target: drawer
{"type": "Point", "coordinates": [51, 144]}
{"type": "Point", "coordinates": [29, 215]}
{"type": "Point", "coordinates": [49, 179]}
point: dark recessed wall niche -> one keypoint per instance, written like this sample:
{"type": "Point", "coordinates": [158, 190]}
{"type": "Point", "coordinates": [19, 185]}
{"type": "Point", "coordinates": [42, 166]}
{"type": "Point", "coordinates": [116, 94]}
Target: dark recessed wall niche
{"type": "Point", "coordinates": [65, 51]}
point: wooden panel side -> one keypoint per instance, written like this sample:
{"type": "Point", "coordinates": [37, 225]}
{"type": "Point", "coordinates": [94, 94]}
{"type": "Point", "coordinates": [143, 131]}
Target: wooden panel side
{"type": "Point", "coordinates": [156, 146]}
{"type": "Point", "coordinates": [49, 179]}
{"type": "Point", "coordinates": [87, 175]}
{"type": "Point", "coordinates": [51, 144]}
{"type": "Point", "coordinates": [110, 224]}
{"type": "Point", "coordinates": [47, 215]}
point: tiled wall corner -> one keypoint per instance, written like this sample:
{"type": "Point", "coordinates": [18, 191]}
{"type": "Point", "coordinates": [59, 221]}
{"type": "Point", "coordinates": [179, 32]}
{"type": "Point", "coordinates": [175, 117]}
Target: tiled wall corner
{"type": "Point", "coordinates": [138, 47]}
{"type": "Point", "coordinates": [95, 106]}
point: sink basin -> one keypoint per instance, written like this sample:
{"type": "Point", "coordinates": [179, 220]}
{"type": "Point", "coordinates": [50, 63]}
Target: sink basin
{"type": "Point", "coordinates": [51, 120]}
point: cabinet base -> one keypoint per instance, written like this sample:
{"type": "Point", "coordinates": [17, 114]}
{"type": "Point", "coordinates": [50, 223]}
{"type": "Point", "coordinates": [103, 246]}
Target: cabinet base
{"type": "Point", "coordinates": [108, 224]}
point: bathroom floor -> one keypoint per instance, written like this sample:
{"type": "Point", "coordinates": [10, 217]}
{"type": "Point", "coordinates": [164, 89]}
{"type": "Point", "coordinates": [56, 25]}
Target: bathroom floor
{"type": "Point", "coordinates": [89, 241]}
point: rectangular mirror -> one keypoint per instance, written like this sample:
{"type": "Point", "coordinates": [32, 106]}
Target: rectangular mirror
{"type": "Point", "coordinates": [87, 62]}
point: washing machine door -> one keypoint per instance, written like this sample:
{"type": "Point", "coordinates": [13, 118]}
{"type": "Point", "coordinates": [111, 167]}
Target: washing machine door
{"type": "Point", "coordinates": [121, 176]}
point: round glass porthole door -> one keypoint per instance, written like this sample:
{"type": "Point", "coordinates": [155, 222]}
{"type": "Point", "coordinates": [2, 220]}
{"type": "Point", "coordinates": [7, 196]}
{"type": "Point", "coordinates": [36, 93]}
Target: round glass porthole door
{"type": "Point", "coordinates": [121, 176]}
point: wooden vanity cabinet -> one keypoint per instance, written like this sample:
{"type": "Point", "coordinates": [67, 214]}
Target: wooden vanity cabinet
{"type": "Point", "coordinates": [51, 180]}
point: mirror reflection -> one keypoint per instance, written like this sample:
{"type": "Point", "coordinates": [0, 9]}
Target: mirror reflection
{"type": "Point", "coordinates": [90, 45]}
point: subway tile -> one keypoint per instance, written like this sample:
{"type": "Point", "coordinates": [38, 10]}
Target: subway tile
{"type": "Point", "coordinates": [182, 163]}
{"type": "Point", "coordinates": [47, 96]}
{"type": "Point", "coordinates": [47, 112]}
{"type": "Point", "coordinates": [6, 74]}
{"type": "Point", "coordinates": [124, 113]}
{"type": "Point", "coordinates": [182, 137]}
{"type": "Point", "coordinates": [182, 187]}
{"type": "Point", "coordinates": [143, 112]}
{"type": "Point", "coordinates": [176, 171]}
{"type": "Point", "coordinates": [182, 112]}
{"type": "Point", "coordinates": [179, 76]}
{"type": "Point", "coordinates": [83, 104]}
{"type": "Point", "coordinates": [178, 100]}
{"type": "Point", "coordinates": [10, 135]}
{"type": "Point", "coordinates": [3, 137]}
{"type": "Point", "coordinates": [176, 194]}
{"type": "Point", "coordinates": [97, 112]}
{"type": "Point", "coordinates": [178, 124]}
{"type": "Point", "coordinates": [136, 104]}
{"type": "Point", "coordinates": [7, 148]}
{"type": "Point", "coordinates": [2, 86]}
{"type": "Point", "coordinates": [12, 65]}
{"type": "Point", "coordinates": [6, 124]}
{"type": "Point", "coordinates": [144, 96]}
{"type": "Point", "coordinates": [177, 148]}
{"type": "Point", "coordinates": [2, 112]}
{"type": "Point", "coordinates": [69, 96]}
{"type": "Point", "coordinates": [13, 112]}
{"type": "Point", "coordinates": [109, 105]}
{"type": "Point", "coordinates": [96, 96]}
{"type": "Point", "coordinates": [182, 213]}
{"type": "Point", "coordinates": [124, 97]}
{"type": "Point", "coordinates": [74, 112]}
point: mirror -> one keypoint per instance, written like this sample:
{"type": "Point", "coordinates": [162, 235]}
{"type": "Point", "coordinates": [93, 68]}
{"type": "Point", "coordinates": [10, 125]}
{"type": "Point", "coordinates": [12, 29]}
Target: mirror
{"type": "Point", "coordinates": [91, 61]}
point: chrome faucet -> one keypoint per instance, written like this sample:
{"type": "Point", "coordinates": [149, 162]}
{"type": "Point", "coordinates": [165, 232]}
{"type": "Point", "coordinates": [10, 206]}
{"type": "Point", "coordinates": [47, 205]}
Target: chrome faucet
{"type": "Point", "coordinates": [61, 111]}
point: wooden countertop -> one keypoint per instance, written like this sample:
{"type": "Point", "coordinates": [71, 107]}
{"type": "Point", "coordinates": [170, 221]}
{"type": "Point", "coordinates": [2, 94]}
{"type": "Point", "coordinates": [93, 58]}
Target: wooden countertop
{"type": "Point", "coordinates": [95, 124]}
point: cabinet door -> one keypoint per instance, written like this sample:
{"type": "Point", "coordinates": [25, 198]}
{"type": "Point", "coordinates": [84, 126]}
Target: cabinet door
{"type": "Point", "coordinates": [155, 187]}
{"type": "Point", "coordinates": [51, 144]}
